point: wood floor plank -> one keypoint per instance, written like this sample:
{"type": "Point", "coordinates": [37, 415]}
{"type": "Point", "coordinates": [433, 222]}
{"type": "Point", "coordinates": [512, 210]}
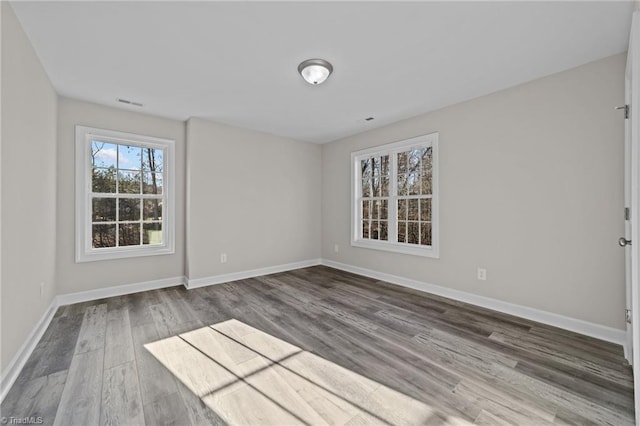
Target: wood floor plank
{"type": "Point", "coordinates": [138, 307]}
{"type": "Point", "coordinates": [197, 410]}
{"type": "Point", "coordinates": [121, 399]}
{"type": "Point", "coordinates": [396, 370]}
{"type": "Point", "coordinates": [38, 398]}
{"type": "Point", "coordinates": [164, 319]}
{"type": "Point", "coordinates": [451, 361]}
{"type": "Point", "coordinates": [563, 399]}
{"type": "Point", "coordinates": [92, 332]}
{"type": "Point", "coordinates": [616, 400]}
{"type": "Point", "coordinates": [167, 410]}
{"type": "Point", "coordinates": [602, 368]}
{"type": "Point", "coordinates": [53, 354]}
{"type": "Point", "coordinates": [119, 342]}
{"type": "Point", "coordinates": [498, 406]}
{"type": "Point", "coordinates": [554, 334]}
{"type": "Point", "coordinates": [82, 395]}
{"type": "Point", "coordinates": [156, 382]}
{"type": "Point", "coordinates": [485, 418]}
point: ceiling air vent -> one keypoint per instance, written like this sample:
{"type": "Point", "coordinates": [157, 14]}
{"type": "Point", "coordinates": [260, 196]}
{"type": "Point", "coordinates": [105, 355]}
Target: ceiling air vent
{"type": "Point", "coordinates": [128, 102]}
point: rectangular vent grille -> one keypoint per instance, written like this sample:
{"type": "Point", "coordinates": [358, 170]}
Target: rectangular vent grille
{"type": "Point", "coordinates": [128, 102]}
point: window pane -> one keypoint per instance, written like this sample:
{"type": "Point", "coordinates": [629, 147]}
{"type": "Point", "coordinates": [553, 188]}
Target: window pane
{"type": "Point", "coordinates": [413, 184]}
{"type": "Point", "coordinates": [365, 229]}
{"type": "Point", "coordinates": [414, 160]}
{"type": "Point", "coordinates": [365, 167]}
{"type": "Point", "coordinates": [385, 186]}
{"type": "Point", "coordinates": [402, 184]}
{"type": "Point", "coordinates": [375, 212]}
{"type": "Point", "coordinates": [425, 233]}
{"type": "Point", "coordinates": [152, 209]}
{"type": "Point", "coordinates": [366, 210]}
{"type": "Point", "coordinates": [413, 209]}
{"type": "Point", "coordinates": [375, 166]}
{"type": "Point", "coordinates": [427, 160]}
{"type": "Point", "coordinates": [129, 208]}
{"type": "Point", "coordinates": [413, 233]}
{"type": "Point", "coordinates": [152, 159]}
{"type": "Point", "coordinates": [375, 233]}
{"type": "Point", "coordinates": [384, 165]}
{"type": "Point", "coordinates": [129, 234]}
{"type": "Point", "coordinates": [402, 209]}
{"type": "Point", "coordinates": [152, 183]}
{"type": "Point", "coordinates": [152, 233]}
{"type": "Point", "coordinates": [128, 182]}
{"type": "Point", "coordinates": [402, 163]}
{"type": "Point", "coordinates": [425, 209]}
{"type": "Point", "coordinates": [366, 188]}
{"type": "Point", "coordinates": [427, 186]}
{"type": "Point", "coordinates": [384, 209]}
{"type": "Point", "coordinates": [103, 180]}
{"type": "Point", "coordinates": [384, 230]}
{"type": "Point", "coordinates": [129, 157]}
{"type": "Point", "coordinates": [427, 172]}
{"type": "Point", "coordinates": [103, 236]}
{"type": "Point", "coordinates": [402, 231]}
{"type": "Point", "coordinates": [104, 154]}
{"type": "Point", "coordinates": [376, 187]}
{"type": "Point", "coordinates": [103, 210]}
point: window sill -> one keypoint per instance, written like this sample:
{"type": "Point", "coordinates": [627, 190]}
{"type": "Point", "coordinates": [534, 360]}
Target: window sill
{"type": "Point", "coordinates": [123, 253]}
{"type": "Point", "coordinates": [424, 251]}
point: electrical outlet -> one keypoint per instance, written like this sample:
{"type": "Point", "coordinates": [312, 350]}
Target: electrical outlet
{"type": "Point", "coordinates": [336, 248]}
{"type": "Point", "coordinates": [482, 274]}
{"type": "Point", "coordinates": [42, 289]}
{"type": "Point", "coordinates": [223, 258]}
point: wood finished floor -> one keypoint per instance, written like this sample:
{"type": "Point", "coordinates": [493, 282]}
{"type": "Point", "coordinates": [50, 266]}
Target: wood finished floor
{"type": "Point", "coordinates": [316, 346]}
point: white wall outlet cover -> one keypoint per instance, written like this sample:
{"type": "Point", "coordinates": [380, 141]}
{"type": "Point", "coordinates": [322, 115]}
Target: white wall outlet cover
{"type": "Point", "coordinates": [482, 274]}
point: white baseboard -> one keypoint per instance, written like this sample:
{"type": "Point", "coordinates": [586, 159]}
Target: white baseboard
{"type": "Point", "coordinates": [14, 368]}
{"type": "Point", "coordinates": [598, 331]}
{"type": "Point", "coordinates": [101, 293]}
{"type": "Point", "coordinates": [243, 275]}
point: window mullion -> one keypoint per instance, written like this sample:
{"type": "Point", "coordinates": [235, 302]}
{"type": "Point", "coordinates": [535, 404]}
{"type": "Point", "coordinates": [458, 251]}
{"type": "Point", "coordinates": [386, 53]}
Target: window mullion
{"type": "Point", "coordinates": [358, 192]}
{"type": "Point", "coordinates": [393, 198]}
{"type": "Point", "coordinates": [117, 242]}
{"type": "Point", "coordinates": [88, 198]}
{"type": "Point", "coordinates": [141, 221]}
{"type": "Point", "coordinates": [117, 222]}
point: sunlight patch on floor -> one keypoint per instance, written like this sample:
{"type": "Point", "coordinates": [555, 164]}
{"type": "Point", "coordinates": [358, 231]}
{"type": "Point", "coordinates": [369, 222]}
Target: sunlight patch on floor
{"type": "Point", "coordinates": [249, 377]}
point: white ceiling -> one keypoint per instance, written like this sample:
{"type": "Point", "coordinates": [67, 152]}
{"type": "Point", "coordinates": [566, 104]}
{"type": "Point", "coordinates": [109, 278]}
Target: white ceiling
{"type": "Point", "coordinates": [236, 62]}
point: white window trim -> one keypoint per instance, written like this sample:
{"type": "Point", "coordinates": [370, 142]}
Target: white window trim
{"type": "Point", "coordinates": [84, 248]}
{"type": "Point", "coordinates": [356, 187]}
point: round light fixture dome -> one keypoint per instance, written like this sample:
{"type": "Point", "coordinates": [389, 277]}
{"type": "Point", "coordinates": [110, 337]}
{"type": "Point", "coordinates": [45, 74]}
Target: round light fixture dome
{"type": "Point", "coordinates": [315, 71]}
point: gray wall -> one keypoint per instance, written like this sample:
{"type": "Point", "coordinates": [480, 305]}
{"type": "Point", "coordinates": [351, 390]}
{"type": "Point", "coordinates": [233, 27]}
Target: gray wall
{"type": "Point", "coordinates": [28, 187]}
{"type": "Point", "coordinates": [73, 277]}
{"type": "Point", "coordinates": [531, 188]}
{"type": "Point", "coordinates": [253, 196]}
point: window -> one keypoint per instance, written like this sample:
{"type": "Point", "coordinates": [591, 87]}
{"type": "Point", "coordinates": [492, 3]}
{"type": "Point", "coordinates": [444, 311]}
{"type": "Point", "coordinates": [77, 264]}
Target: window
{"type": "Point", "coordinates": [395, 197]}
{"type": "Point", "coordinates": [124, 195]}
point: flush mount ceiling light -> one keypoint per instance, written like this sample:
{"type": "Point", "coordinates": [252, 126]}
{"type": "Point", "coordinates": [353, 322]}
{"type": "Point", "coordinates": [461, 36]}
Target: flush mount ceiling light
{"type": "Point", "coordinates": [315, 71]}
